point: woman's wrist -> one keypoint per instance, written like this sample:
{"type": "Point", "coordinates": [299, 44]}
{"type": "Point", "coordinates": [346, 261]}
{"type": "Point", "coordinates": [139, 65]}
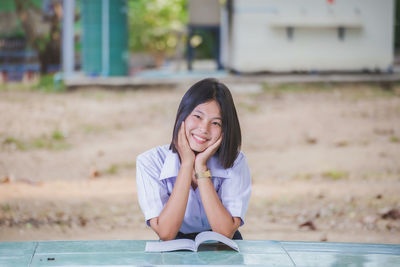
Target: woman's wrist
{"type": "Point", "coordinates": [187, 163]}
{"type": "Point", "coordinates": [200, 167]}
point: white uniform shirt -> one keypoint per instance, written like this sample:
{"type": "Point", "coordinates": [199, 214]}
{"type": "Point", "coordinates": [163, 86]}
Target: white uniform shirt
{"type": "Point", "coordinates": [156, 172]}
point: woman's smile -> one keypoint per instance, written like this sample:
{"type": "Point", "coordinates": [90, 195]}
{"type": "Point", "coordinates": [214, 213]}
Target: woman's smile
{"type": "Point", "coordinates": [198, 139]}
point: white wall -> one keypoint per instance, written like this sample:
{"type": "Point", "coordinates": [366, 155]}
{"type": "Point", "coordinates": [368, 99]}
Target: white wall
{"type": "Point", "coordinates": [260, 42]}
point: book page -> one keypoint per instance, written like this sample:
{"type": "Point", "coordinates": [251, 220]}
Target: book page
{"type": "Point", "coordinates": [209, 235]}
{"type": "Point", "coordinates": [171, 245]}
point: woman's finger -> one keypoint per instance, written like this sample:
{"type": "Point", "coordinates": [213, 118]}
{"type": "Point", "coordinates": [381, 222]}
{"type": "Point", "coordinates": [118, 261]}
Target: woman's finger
{"type": "Point", "coordinates": [184, 150]}
{"type": "Point", "coordinates": [182, 140]}
{"type": "Point", "coordinates": [215, 146]}
{"type": "Point", "coordinates": [203, 157]}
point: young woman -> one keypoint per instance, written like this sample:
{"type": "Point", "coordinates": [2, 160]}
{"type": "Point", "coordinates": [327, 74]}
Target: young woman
{"type": "Point", "coordinates": [201, 181]}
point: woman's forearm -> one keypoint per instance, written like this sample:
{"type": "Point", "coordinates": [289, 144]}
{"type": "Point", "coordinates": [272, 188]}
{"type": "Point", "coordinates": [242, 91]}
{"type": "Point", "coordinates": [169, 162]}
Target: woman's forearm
{"type": "Point", "coordinates": [220, 219]}
{"type": "Point", "coordinates": [168, 223]}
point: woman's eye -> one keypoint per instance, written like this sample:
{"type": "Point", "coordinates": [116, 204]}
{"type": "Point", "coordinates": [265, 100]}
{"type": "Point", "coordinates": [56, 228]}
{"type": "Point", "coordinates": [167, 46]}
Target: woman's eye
{"type": "Point", "coordinates": [196, 116]}
{"type": "Point", "coordinates": [216, 124]}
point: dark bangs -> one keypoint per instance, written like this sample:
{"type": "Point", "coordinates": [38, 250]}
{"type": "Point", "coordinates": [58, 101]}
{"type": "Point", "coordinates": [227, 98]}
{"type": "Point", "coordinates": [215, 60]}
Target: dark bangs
{"type": "Point", "coordinates": [202, 92]}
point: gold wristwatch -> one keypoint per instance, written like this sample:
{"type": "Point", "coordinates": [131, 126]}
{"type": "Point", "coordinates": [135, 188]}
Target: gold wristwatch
{"type": "Point", "coordinates": [205, 174]}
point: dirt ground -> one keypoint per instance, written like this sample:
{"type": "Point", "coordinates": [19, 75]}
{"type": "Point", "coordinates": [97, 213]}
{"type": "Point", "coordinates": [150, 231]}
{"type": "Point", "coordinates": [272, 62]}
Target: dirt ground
{"type": "Point", "coordinates": [325, 162]}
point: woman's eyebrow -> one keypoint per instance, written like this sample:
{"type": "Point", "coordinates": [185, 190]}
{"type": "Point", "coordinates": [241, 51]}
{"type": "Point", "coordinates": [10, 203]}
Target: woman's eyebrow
{"type": "Point", "coordinates": [202, 113]}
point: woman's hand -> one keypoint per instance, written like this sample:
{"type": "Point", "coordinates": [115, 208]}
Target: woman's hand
{"type": "Point", "coordinates": [186, 154]}
{"type": "Point", "coordinates": [203, 157]}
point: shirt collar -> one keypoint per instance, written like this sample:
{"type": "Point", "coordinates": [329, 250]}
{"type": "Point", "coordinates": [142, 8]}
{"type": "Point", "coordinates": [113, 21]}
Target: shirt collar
{"type": "Point", "coordinates": [172, 164]}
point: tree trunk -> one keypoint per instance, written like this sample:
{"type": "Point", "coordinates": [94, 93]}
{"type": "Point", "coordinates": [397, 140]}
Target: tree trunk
{"type": "Point", "coordinates": [42, 31]}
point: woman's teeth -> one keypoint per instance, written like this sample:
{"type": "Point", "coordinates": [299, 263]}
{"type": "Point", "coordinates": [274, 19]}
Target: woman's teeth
{"type": "Point", "coordinates": [199, 138]}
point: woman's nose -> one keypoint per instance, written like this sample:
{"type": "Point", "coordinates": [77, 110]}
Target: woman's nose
{"type": "Point", "coordinates": [204, 126]}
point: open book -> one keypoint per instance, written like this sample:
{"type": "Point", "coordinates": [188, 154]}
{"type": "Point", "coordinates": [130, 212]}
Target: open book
{"type": "Point", "coordinates": [188, 244]}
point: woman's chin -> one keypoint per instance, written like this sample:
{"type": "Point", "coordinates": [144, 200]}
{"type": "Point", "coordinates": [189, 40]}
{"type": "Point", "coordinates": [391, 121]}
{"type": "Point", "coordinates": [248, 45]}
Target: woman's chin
{"type": "Point", "coordinates": [197, 149]}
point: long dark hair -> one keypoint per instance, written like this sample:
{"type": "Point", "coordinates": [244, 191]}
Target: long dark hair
{"type": "Point", "coordinates": [205, 91]}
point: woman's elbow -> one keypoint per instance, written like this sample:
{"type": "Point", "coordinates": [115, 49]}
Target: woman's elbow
{"type": "Point", "coordinates": [229, 232]}
{"type": "Point", "coordinates": [166, 236]}
{"type": "Point", "coordinates": [226, 232]}
{"type": "Point", "coordinates": [164, 233]}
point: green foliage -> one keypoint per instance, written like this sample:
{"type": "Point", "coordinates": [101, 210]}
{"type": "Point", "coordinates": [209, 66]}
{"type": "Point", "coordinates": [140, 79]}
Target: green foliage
{"type": "Point", "coordinates": [47, 83]}
{"type": "Point", "coordinates": [57, 135]}
{"type": "Point", "coordinates": [208, 41]}
{"type": "Point", "coordinates": [115, 168]}
{"type": "Point", "coordinates": [303, 176]}
{"type": "Point", "coordinates": [5, 207]}
{"type": "Point", "coordinates": [335, 174]}
{"type": "Point", "coordinates": [153, 24]}
{"type": "Point", "coordinates": [15, 142]}
{"type": "Point", "coordinates": [55, 142]}
{"type": "Point", "coordinates": [37, 42]}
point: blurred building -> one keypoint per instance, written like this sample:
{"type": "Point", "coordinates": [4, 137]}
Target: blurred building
{"type": "Point", "coordinates": [307, 35]}
{"type": "Point", "coordinates": [204, 17]}
{"type": "Point", "coordinates": [104, 38]}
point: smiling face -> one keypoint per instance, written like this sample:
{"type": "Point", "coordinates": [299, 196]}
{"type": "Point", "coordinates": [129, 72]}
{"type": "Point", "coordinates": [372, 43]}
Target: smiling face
{"type": "Point", "coordinates": [203, 126]}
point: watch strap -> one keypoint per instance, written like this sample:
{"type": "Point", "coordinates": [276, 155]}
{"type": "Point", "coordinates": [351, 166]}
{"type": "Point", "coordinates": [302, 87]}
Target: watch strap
{"type": "Point", "coordinates": [205, 174]}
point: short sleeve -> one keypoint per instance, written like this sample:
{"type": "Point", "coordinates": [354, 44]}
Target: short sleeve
{"type": "Point", "coordinates": [152, 192]}
{"type": "Point", "coordinates": [235, 191]}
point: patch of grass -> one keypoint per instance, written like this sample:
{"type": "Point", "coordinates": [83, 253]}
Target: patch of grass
{"type": "Point", "coordinates": [60, 146]}
{"type": "Point", "coordinates": [15, 87]}
{"type": "Point", "coordinates": [370, 91]}
{"type": "Point", "coordinates": [100, 96]}
{"type": "Point", "coordinates": [252, 108]}
{"type": "Point", "coordinates": [13, 141]}
{"type": "Point", "coordinates": [96, 94]}
{"type": "Point", "coordinates": [335, 174]}
{"type": "Point", "coordinates": [55, 142]}
{"type": "Point", "coordinates": [296, 87]}
{"type": "Point", "coordinates": [40, 142]}
{"type": "Point", "coordinates": [378, 176]}
{"type": "Point", "coordinates": [115, 168]}
{"type": "Point", "coordinates": [394, 139]}
{"type": "Point", "coordinates": [119, 126]}
{"type": "Point", "coordinates": [48, 84]}
{"type": "Point", "coordinates": [88, 128]}
{"type": "Point", "coordinates": [353, 92]}
{"type": "Point", "coordinates": [57, 135]}
{"type": "Point", "coordinates": [45, 142]}
{"type": "Point", "coordinates": [5, 207]}
{"type": "Point", "coordinates": [129, 165]}
{"type": "Point", "coordinates": [303, 176]}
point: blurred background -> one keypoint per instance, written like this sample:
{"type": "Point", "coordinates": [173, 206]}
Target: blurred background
{"type": "Point", "coordinates": [87, 85]}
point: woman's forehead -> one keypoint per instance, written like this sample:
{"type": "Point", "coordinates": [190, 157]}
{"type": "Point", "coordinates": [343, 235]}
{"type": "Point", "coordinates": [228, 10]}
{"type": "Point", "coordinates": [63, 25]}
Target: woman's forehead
{"type": "Point", "coordinates": [210, 108]}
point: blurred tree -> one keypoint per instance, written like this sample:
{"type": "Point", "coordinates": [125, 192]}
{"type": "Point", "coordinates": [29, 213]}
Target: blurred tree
{"type": "Point", "coordinates": [155, 25]}
{"type": "Point", "coordinates": [41, 24]}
